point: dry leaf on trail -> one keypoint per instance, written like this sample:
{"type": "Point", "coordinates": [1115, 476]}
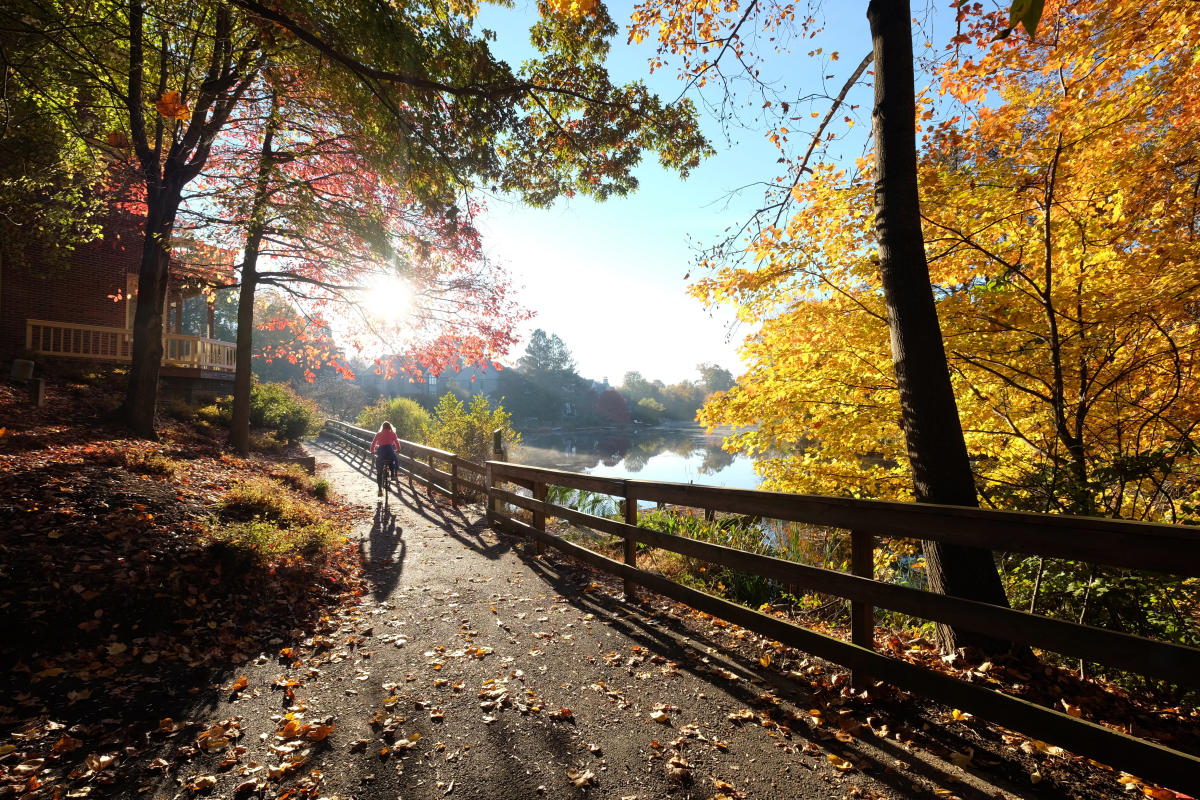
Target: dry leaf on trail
{"type": "Point", "coordinates": [239, 684]}
{"type": "Point", "coordinates": [358, 745]}
{"type": "Point", "coordinates": [98, 763]}
{"type": "Point", "coordinates": [320, 732]}
{"type": "Point", "coordinates": [745, 715]}
{"type": "Point", "coordinates": [562, 713]}
{"type": "Point", "coordinates": [839, 762]}
{"type": "Point", "coordinates": [581, 777]}
{"type": "Point", "coordinates": [660, 716]}
{"type": "Point", "coordinates": [202, 783]}
{"type": "Point", "coordinates": [246, 787]}
{"type": "Point", "coordinates": [407, 744]}
{"type": "Point", "coordinates": [678, 768]}
{"type": "Point", "coordinates": [66, 744]}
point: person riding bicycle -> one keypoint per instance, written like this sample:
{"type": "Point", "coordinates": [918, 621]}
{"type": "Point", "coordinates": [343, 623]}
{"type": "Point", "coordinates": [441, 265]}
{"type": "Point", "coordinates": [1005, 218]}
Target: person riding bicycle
{"type": "Point", "coordinates": [388, 444]}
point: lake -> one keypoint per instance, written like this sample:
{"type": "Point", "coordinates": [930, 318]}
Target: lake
{"type": "Point", "coordinates": [673, 452]}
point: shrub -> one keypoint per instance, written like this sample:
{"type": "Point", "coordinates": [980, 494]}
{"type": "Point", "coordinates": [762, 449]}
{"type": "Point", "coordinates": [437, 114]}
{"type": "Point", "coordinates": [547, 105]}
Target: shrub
{"type": "Point", "coordinates": [269, 499]}
{"type": "Point", "coordinates": [261, 540]}
{"type": "Point", "coordinates": [179, 409]}
{"type": "Point", "coordinates": [274, 407]}
{"type": "Point", "coordinates": [143, 462]}
{"type": "Point", "coordinates": [298, 478]}
{"type": "Point", "coordinates": [409, 420]}
{"type": "Point", "coordinates": [294, 476]}
{"type": "Point", "coordinates": [217, 413]}
{"type": "Point", "coordinates": [468, 431]}
{"type": "Point", "coordinates": [265, 443]}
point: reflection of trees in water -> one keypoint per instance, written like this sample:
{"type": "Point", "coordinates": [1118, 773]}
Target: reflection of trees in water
{"type": "Point", "coordinates": [715, 460]}
{"type": "Point", "coordinates": [643, 451]}
{"type": "Point", "coordinates": [584, 450]}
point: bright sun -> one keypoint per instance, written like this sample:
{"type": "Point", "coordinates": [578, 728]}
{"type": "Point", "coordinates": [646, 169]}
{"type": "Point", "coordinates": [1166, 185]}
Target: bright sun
{"type": "Point", "coordinates": [386, 299]}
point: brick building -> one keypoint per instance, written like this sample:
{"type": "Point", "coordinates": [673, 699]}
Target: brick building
{"type": "Point", "coordinates": [83, 310]}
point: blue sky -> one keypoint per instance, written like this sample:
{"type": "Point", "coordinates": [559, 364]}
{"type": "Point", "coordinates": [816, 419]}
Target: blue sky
{"type": "Point", "coordinates": [608, 278]}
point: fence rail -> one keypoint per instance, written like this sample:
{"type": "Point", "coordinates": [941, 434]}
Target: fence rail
{"type": "Point", "coordinates": [448, 480]}
{"type": "Point", "coordinates": [1144, 546]}
{"type": "Point", "coordinates": [99, 343]}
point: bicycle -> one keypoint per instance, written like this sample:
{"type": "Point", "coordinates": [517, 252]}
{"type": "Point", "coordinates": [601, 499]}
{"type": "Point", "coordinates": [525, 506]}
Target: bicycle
{"type": "Point", "coordinates": [385, 472]}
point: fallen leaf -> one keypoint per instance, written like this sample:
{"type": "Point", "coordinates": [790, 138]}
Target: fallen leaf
{"type": "Point", "coordinates": [839, 762]}
{"type": "Point", "coordinates": [678, 768]}
{"type": "Point", "coordinates": [581, 777]}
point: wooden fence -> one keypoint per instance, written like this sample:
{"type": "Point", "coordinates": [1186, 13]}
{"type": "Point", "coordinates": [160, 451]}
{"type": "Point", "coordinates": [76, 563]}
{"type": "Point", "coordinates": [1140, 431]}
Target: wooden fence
{"type": "Point", "coordinates": [439, 471]}
{"type": "Point", "coordinates": [1133, 545]}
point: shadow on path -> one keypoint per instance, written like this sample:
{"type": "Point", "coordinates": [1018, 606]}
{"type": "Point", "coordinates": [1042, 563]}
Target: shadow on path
{"type": "Point", "coordinates": [779, 697]}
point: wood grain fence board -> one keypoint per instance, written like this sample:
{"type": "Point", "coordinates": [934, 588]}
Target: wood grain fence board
{"type": "Point", "coordinates": [1134, 545]}
{"type": "Point", "coordinates": [472, 485]}
{"type": "Point", "coordinates": [1176, 663]}
{"type": "Point", "coordinates": [557, 477]}
{"type": "Point", "coordinates": [1147, 760]}
{"type": "Point", "coordinates": [569, 514]}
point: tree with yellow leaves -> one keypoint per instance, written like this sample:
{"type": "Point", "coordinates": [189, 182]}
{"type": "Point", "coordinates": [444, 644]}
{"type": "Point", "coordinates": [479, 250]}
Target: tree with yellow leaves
{"type": "Point", "coordinates": [1061, 226]}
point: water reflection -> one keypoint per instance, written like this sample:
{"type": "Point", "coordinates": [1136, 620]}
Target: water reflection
{"type": "Point", "coordinates": [676, 452]}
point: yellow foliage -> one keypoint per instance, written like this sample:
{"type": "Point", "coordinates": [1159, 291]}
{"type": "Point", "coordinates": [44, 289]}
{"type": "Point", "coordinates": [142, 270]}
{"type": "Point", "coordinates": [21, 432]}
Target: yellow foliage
{"type": "Point", "coordinates": [1063, 233]}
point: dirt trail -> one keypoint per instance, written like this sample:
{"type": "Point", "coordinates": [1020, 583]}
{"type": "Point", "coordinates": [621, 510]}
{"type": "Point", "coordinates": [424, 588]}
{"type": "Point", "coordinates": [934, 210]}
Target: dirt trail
{"type": "Point", "coordinates": [525, 676]}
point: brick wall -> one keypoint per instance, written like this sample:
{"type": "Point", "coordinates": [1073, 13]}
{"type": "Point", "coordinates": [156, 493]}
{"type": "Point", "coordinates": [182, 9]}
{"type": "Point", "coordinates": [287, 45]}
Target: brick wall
{"type": "Point", "coordinates": [77, 292]}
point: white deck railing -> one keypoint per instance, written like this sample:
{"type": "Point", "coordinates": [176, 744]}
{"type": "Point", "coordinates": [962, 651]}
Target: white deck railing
{"type": "Point", "coordinates": [98, 343]}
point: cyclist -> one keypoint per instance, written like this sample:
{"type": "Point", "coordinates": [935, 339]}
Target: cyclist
{"type": "Point", "coordinates": [388, 445]}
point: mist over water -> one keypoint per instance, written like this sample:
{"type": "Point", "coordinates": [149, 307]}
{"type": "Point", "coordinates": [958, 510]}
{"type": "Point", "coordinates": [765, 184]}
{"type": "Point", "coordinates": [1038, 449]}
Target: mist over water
{"type": "Point", "coordinates": [672, 452]}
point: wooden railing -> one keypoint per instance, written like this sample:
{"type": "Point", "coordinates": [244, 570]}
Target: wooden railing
{"type": "Point", "coordinates": [99, 343]}
{"type": "Point", "coordinates": [437, 470]}
{"type": "Point", "coordinates": [1133, 545]}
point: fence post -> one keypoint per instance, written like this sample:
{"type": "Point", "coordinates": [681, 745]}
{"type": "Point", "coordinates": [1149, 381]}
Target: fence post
{"type": "Point", "coordinates": [454, 484]}
{"type": "Point", "coordinates": [862, 615]}
{"type": "Point", "coordinates": [630, 542]}
{"type": "Point", "coordinates": [429, 486]}
{"type": "Point", "coordinates": [539, 517]}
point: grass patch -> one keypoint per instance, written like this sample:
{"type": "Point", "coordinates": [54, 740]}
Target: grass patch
{"type": "Point", "coordinates": [144, 462]}
{"type": "Point", "coordinates": [298, 478]}
{"type": "Point", "coordinates": [321, 489]}
{"type": "Point", "coordinates": [266, 540]}
{"type": "Point", "coordinates": [271, 500]}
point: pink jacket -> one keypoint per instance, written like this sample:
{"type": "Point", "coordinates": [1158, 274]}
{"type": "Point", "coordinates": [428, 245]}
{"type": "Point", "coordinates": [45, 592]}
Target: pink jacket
{"type": "Point", "coordinates": [385, 437]}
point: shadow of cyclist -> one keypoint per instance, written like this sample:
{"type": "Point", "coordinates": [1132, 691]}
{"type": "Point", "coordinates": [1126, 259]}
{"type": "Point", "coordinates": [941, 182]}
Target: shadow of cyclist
{"type": "Point", "coordinates": [384, 552]}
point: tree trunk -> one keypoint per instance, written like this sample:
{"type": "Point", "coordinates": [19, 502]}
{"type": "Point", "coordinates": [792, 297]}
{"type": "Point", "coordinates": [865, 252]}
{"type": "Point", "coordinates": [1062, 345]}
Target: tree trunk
{"type": "Point", "coordinates": [929, 415]}
{"type": "Point", "coordinates": [239, 432]}
{"type": "Point", "coordinates": [141, 393]}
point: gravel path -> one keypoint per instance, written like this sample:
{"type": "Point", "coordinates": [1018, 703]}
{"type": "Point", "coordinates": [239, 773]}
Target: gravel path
{"type": "Point", "coordinates": [474, 668]}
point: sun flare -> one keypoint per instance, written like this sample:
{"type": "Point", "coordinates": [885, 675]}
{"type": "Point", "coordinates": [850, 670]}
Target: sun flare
{"type": "Point", "coordinates": [387, 299]}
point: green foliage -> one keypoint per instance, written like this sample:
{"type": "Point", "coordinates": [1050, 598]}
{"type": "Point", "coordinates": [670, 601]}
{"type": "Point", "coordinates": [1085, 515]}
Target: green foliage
{"type": "Point", "coordinates": [264, 498]}
{"type": "Point", "coordinates": [737, 585]}
{"type": "Point", "coordinates": [650, 410]}
{"type": "Point", "coordinates": [298, 478]}
{"type": "Point", "coordinates": [409, 420]}
{"type": "Point", "coordinates": [261, 540]}
{"type": "Point", "coordinates": [146, 463]}
{"type": "Point", "coordinates": [468, 431]}
{"type": "Point", "coordinates": [275, 408]}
